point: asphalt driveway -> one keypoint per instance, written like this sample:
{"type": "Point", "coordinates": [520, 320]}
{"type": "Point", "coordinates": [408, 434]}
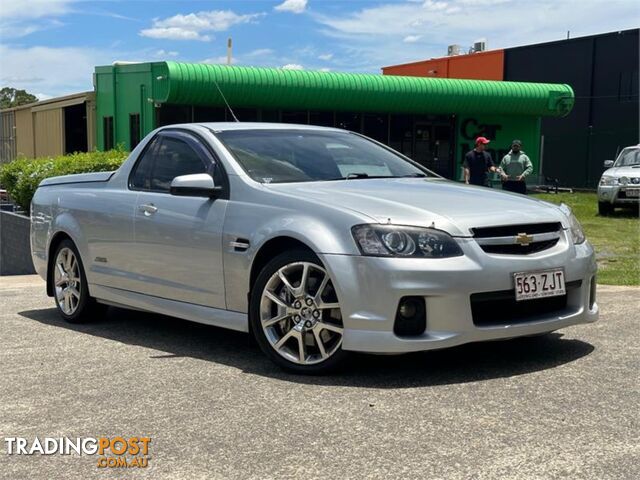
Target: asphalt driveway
{"type": "Point", "coordinates": [562, 406]}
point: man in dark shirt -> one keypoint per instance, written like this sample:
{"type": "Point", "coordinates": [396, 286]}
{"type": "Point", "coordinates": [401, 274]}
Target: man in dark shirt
{"type": "Point", "coordinates": [477, 163]}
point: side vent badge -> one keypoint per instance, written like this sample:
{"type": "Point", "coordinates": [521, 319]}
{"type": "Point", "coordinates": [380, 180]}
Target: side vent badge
{"type": "Point", "coordinates": [239, 245]}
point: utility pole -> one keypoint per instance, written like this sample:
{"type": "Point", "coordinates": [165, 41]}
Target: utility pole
{"type": "Point", "coordinates": [229, 50]}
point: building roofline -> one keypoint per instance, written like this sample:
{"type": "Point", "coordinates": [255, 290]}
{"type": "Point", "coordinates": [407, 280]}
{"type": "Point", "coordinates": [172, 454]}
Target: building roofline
{"type": "Point", "coordinates": [550, 42]}
{"type": "Point", "coordinates": [446, 57]}
{"type": "Point", "coordinates": [39, 103]}
{"type": "Point", "coordinates": [576, 39]}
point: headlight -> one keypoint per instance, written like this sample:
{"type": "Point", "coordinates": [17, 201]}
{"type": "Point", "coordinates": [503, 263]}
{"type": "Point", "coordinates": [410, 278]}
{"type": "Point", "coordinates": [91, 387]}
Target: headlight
{"type": "Point", "coordinates": [399, 241]}
{"type": "Point", "coordinates": [575, 228]}
{"type": "Point", "coordinates": [608, 180]}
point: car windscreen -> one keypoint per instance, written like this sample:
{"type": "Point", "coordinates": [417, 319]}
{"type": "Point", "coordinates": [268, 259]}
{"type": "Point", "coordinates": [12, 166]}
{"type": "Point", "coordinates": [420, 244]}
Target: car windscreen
{"type": "Point", "coordinates": [281, 156]}
{"type": "Point", "coordinates": [628, 157]}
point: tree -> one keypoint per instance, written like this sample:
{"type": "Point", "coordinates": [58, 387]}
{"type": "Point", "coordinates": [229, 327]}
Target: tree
{"type": "Point", "coordinates": [12, 97]}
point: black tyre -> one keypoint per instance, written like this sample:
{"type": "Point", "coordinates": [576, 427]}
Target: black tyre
{"type": "Point", "coordinates": [295, 314]}
{"type": "Point", "coordinates": [605, 208]}
{"type": "Point", "coordinates": [70, 286]}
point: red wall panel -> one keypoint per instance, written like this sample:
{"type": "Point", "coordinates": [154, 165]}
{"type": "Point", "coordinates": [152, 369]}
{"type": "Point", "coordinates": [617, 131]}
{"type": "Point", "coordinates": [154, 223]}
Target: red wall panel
{"type": "Point", "coordinates": [477, 66]}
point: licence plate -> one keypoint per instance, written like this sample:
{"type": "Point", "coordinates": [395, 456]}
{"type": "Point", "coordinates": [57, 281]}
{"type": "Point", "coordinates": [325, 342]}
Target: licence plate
{"type": "Point", "coordinates": [633, 192]}
{"type": "Point", "coordinates": [540, 284]}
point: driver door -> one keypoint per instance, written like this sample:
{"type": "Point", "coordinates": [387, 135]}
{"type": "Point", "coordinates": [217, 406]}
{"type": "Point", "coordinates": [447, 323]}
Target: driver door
{"type": "Point", "coordinates": [178, 239]}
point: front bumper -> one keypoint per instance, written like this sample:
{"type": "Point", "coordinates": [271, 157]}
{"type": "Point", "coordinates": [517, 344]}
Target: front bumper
{"type": "Point", "coordinates": [370, 288]}
{"type": "Point", "coordinates": [617, 194]}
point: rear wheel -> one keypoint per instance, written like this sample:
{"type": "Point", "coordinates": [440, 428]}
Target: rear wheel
{"type": "Point", "coordinates": [605, 208]}
{"type": "Point", "coordinates": [70, 286]}
{"type": "Point", "coordinates": [295, 314]}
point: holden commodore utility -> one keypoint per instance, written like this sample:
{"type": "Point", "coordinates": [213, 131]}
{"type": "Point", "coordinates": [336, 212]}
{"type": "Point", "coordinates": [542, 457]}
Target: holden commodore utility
{"type": "Point", "coordinates": [316, 241]}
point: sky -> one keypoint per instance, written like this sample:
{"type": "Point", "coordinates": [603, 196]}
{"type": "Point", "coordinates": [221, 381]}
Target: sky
{"type": "Point", "coordinates": [50, 47]}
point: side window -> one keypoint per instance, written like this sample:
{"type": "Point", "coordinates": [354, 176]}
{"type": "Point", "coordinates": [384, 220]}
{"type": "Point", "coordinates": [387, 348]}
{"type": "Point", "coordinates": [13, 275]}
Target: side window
{"type": "Point", "coordinates": [174, 157]}
{"type": "Point", "coordinates": [141, 178]}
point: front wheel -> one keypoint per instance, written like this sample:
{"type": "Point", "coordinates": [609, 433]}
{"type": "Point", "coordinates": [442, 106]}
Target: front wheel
{"type": "Point", "coordinates": [295, 314]}
{"type": "Point", "coordinates": [605, 208]}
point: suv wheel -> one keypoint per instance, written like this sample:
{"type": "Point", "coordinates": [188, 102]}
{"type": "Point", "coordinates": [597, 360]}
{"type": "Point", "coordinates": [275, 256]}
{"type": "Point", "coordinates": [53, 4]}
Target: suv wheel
{"type": "Point", "coordinates": [605, 208]}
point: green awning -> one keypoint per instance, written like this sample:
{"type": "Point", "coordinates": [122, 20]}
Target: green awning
{"type": "Point", "coordinates": [195, 84]}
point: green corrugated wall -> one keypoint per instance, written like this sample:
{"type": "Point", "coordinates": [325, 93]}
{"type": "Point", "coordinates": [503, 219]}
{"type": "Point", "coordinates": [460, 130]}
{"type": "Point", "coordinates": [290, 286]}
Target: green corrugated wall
{"type": "Point", "coordinates": [195, 84]}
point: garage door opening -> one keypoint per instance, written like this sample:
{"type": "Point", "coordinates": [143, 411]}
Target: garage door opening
{"type": "Point", "coordinates": [75, 128]}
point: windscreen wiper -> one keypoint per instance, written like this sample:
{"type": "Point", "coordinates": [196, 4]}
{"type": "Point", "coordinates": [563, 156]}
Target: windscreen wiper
{"type": "Point", "coordinates": [359, 175]}
{"type": "Point", "coordinates": [413, 175]}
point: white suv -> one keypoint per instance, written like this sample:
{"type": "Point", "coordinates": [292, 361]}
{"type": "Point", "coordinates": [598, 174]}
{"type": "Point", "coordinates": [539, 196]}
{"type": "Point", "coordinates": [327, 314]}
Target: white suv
{"type": "Point", "coordinates": [620, 183]}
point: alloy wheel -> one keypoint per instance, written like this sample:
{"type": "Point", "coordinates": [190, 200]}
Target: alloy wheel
{"type": "Point", "coordinates": [300, 313]}
{"type": "Point", "coordinates": [67, 281]}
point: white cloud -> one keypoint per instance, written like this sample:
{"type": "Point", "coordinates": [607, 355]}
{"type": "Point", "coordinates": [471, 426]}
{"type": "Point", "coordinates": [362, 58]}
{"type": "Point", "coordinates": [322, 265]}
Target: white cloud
{"type": "Point", "coordinates": [292, 66]}
{"type": "Point", "coordinates": [46, 69]}
{"type": "Point", "coordinates": [174, 33]}
{"type": "Point", "coordinates": [195, 26]}
{"type": "Point", "coordinates": [435, 6]}
{"type": "Point", "coordinates": [293, 6]}
{"type": "Point", "coordinates": [18, 10]}
{"type": "Point", "coordinates": [260, 52]}
{"type": "Point", "coordinates": [325, 69]}
{"type": "Point", "coordinates": [380, 35]}
{"type": "Point", "coordinates": [17, 30]}
{"type": "Point", "coordinates": [19, 19]}
{"type": "Point", "coordinates": [165, 54]}
{"type": "Point", "coordinates": [326, 56]}
{"type": "Point", "coordinates": [411, 38]}
{"type": "Point", "coordinates": [43, 96]}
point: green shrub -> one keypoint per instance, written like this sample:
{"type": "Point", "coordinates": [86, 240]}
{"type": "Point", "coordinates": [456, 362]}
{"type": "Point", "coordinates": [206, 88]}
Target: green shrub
{"type": "Point", "coordinates": [22, 176]}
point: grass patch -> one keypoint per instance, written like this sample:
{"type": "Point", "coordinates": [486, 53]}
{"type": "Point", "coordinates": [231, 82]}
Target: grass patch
{"type": "Point", "coordinates": [616, 238]}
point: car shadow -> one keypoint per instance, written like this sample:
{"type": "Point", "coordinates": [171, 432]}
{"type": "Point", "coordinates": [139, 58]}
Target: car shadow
{"type": "Point", "coordinates": [175, 338]}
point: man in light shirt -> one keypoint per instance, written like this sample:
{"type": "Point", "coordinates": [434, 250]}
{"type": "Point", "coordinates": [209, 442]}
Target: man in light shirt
{"type": "Point", "coordinates": [514, 168]}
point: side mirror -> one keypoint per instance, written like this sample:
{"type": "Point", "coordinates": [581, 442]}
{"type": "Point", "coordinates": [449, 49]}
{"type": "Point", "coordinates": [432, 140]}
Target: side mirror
{"type": "Point", "coordinates": [195, 185]}
{"type": "Point", "coordinates": [608, 163]}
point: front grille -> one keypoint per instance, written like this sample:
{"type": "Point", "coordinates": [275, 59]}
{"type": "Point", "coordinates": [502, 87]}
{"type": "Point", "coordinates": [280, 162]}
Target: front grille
{"type": "Point", "coordinates": [521, 239]}
{"type": "Point", "coordinates": [490, 309]}
{"type": "Point", "coordinates": [519, 249]}
{"type": "Point", "coordinates": [512, 230]}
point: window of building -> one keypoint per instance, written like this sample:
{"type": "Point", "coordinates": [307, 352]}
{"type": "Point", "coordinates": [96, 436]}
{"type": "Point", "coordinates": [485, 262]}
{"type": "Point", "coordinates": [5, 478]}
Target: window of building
{"type": "Point", "coordinates": [169, 114]}
{"type": "Point", "coordinates": [401, 134]}
{"type": "Point", "coordinates": [300, 117]}
{"type": "Point", "coordinates": [107, 131]}
{"type": "Point", "coordinates": [324, 119]}
{"type": "Point", "coordinates": [243, 114]}
{"type": "Point", "coordinates": [376, 126]}
{"type": "Point", "coordinates": [173, 158]}
{"type": "Point", "coordinates": [349, 121]}
{"type": "Point", "coordinates": [209, 114]}
{"type": "Point", "coordinates": [272, 116]}
{"type": "Point", "coordinates": [134, 130]}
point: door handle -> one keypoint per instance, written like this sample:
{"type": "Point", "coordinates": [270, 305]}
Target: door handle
{"type": "Point", "coordinates": [148, 209]}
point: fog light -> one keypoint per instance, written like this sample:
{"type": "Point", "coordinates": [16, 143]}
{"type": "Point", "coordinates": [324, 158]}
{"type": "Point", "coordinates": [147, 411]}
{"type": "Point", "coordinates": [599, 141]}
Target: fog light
{"type": "Point", "coordinates": [411, 317]}
{"type": "Point", "coordinates": [408, 308]}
